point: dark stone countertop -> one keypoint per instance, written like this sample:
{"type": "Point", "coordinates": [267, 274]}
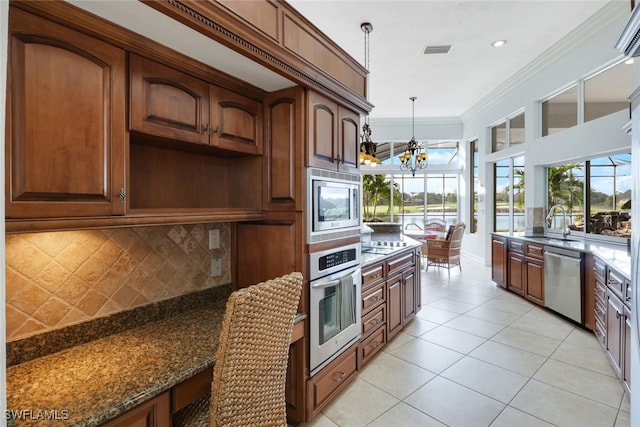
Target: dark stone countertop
{"type": "Point", "coordinates": [616, 256]}
{"type": "Point", "coordinates": [102, 379]}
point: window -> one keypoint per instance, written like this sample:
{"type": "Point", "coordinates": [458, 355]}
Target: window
{"type": "Point", "coordinates": [440, 152]}
{"type": "Point", "coordinates": [560, 112]}
{"type": "Point", "coordinates": [516, 129]}
{"type": "Point", "coordinates": [508, 133]}
{"type": "Point", "coordinates": [475, 185]}
{"type": "Point", "coordinates": [401, 198]}
{"type": "Point", "coordinates": [509, 195]}
{"type": "Point", "coordinates": [499, 137]}
{"type": "Point", "coordinates": [607, 209]}
{"type": "Point", "coordinates": [607, 92]}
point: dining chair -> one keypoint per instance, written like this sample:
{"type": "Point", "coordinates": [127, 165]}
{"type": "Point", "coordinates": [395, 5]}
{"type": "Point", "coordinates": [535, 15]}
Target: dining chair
{"type": "Point", "coordinates": [249, 375]}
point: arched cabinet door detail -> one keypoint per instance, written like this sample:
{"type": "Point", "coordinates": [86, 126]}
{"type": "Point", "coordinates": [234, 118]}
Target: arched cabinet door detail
{"type": "Point", "coordinates": [66, 115]}
{"type": "Point", "coordinates": [168, 103]}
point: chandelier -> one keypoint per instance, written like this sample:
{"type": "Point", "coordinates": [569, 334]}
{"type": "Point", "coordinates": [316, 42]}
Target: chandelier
{"type": "Point", "coordinates": [414, 157]}
{"type": "Point", "coordinates": [367, 146]}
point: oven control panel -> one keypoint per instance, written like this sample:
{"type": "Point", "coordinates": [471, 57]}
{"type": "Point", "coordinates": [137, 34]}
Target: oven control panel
{"type": "Point", "coordinates": [332, 260]}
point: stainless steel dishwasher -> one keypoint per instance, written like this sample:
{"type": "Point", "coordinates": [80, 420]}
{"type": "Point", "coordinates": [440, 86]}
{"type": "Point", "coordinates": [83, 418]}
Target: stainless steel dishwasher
{"type": "Point", "coordinates": [563, 282]}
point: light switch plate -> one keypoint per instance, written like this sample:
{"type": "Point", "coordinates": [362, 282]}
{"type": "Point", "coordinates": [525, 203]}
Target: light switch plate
{"type": "Point", "coordinates": [216, 267]}
{"type": "Point", "coordinates": [214, 239]}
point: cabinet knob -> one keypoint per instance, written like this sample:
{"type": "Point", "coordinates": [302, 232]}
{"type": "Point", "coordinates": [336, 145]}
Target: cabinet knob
{"type": "Point", "coordinates": [339, 377]}
{"type": "Point", "coordinates": [122, 195]}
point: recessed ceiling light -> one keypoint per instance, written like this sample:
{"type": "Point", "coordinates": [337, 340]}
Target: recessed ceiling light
{"type": "Point", "coordinates": [629, 61]}
{"type": "Point", "coordinates": [499, 43]}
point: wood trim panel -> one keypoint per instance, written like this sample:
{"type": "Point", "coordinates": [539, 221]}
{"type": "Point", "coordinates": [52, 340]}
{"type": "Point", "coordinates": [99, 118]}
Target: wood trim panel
{"type": "Point", "coordinates": [312, 46]}
{"type": "Point", "coordinates": [220, 24]}
{"type": "Point", "coordinates": [261, 15]}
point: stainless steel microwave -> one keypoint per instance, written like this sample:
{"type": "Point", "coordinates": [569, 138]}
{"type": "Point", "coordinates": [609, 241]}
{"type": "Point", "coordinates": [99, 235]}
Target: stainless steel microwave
{"type": "Point", "coordinates": [333, 204]}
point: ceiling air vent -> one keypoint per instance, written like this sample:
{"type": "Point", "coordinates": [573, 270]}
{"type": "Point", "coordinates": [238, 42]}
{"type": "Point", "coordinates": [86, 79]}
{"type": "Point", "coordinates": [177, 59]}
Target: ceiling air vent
{"type": "Point", "coordinates": [435, 50]}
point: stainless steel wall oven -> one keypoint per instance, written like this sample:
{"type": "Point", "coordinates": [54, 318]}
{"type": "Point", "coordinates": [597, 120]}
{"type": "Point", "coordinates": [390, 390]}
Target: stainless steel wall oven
{"type": "Point", "coordinates": [335, 308]}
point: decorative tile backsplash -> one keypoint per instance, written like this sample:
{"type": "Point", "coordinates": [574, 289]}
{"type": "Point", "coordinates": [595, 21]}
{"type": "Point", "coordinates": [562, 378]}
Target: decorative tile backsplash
{"type": "Point", "coordinates": [61, 278]}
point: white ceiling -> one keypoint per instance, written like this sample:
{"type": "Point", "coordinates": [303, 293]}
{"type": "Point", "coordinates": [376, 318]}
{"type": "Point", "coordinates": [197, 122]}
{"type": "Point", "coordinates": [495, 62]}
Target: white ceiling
{"type": "Point", "coordinates": [445, 85]}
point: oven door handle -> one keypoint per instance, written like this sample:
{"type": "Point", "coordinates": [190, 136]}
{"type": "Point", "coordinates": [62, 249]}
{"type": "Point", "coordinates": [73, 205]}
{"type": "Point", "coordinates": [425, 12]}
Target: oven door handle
{"type": "Point", "coordinates": [326, 284]}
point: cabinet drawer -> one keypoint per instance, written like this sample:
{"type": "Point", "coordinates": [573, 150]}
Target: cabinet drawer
{"type": "Point", "coordinates": [372, 345]}
{"type": "Point", "coordinates": [600, 292]}
{"type": "Point", "coordinates": [601, 333]}
{"type": "Point", "coordinates": [601, 312]}
{"type": "Point", "coordinates": [533, 250]}
{"type": "Point", "coordinates": [399, 263]}
{"type": "Point", "coordinates": [616, 282]}
{"type": "Point", "coordinates": [324, 385]}
{"type": "Point", "coordinates": [373, 320]}
{"type": "Point", "coordinates": [599, 268]}
{"type": "Point", "coordinates": [372, 297]}
{"type": "Point", "coordinates": [516, 246]}
{"type": "Point", "coordinates": [372, 275]}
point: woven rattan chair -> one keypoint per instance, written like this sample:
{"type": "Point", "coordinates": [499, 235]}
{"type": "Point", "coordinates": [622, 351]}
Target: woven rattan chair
{"type": "Point", "coordinates": [248, 387]}
{"type": "Point", "coordinates": [445, 252]}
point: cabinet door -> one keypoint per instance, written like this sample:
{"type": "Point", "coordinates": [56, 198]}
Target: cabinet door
{"type": "Point", "coordinates": [66, 121]}
{"type": "Point", "coordinates": [534, 289]}
{"type": "Point", "coordinates": [408, 296]}
{"type": "Point", "coordinates": [499, 261]}
{"type": "Point", "coordinates": [615, 330]}
{"type": "Point", "coordinates": [348, 140]}
{"type": "Point", "coordinates": [283, 183]}
{"type": "Point", "coordinates": [168, 103]}
{"type": "Point", "coordinates": [516, 273]}
{"type": "Point", "coordinates": [627, 349]}
{"type": "Point", "coordinates": [154, 413]}
{"type": "Point", "coordinates": [236, 122]}
{"type": "Point", "coordinates": [323, 133]}
{"type": "Point", "coordinates": [394, 306]}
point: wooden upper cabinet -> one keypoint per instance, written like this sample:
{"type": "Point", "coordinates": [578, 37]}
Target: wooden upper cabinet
{"type": "Point", "coordinates": [349, 140]}
{"type": "Point", "coordinates": [171, 104]}
{"type": "Point", "coordinates": [66, 122]}
{"type": "Point", "coordinates": [236, 122]}
{"type": "Point", "coordinates": [333, 135]}
{"type": "Point", "coordinates": [168, 103]}
{"type": "Point", "coordinates": [283, 181]}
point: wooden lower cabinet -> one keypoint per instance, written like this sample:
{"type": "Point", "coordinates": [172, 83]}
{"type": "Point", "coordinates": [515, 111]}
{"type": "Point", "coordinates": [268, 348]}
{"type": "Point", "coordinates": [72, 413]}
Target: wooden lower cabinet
{"type": "Point", "coordinates": [390, 300]}
{"type": "Point", "coordinates": [154, 413]}
{"type": "Point", "coordinates": [516, 273]}
{"type": "Point", "coordinates": [615, 332]}
{"type": "Point", "coordinates": [334, 377]}
{"type": "Point", "coordinates": [394, 306]}
{"type": "Point", "coordinates": [499, 260]}
{"type": "Point", "coordinates": [534, 290]}
{"type": "Point", "coordinates": [526, 271]}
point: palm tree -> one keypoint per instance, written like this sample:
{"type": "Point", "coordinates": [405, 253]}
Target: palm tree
{"type": "Point", "coordinates": [377, 188]}
{"type": "Point", "coordinates": [564, 187]}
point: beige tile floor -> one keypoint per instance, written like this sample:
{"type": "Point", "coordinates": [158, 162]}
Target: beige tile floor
{"type": "Point", "coordinates": [477, 355]}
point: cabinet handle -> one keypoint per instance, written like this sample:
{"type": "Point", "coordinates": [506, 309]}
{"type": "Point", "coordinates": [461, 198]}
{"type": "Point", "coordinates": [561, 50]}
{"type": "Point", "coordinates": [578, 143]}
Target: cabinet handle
{"type": "Point", "coordinates": [122, 195]}
{"type": "Point", "coordinates": [617, 314]}
{"type": "Point", "coordinates": [217, 131]}
{"type": "Point", "coordinates": [207, 128]}
{"type": "Point", "coordinates": [339, 377]}
{"type": "Point", "coordinates": [375, 345]}
{"type": "Point", "coordinates": [377, 298]}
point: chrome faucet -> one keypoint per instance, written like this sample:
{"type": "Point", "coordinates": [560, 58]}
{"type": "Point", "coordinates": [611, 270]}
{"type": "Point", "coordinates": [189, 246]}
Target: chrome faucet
{"type": "Point", "coordinates": [565, 231]}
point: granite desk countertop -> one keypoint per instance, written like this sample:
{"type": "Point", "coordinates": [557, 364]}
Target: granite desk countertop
{"type": "Point", "coordinates": [94, 382]}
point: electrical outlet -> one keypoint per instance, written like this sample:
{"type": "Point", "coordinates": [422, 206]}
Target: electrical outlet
{"type": "Point", "coordinates": [214, 239]}
{"type": "Point", "coordinates": [216, 267]}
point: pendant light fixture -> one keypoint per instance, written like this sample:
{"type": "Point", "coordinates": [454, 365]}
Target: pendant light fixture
{"type": "Point", "coordinates": [367, 146]}
{"type": "Point", "coordinates": [414, 157]}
